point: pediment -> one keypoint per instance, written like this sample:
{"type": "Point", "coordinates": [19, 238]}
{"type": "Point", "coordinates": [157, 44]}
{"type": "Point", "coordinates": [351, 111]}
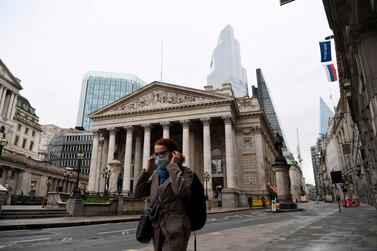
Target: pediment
{"type": "Point", "coordinates": [8, 76]}
{"type": "Point", "coordinates": [160, 95]}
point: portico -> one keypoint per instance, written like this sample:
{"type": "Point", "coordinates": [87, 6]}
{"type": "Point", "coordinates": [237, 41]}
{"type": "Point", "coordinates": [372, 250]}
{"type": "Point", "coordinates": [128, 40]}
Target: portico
{"type": "Point", "coordinates": [203, 122]}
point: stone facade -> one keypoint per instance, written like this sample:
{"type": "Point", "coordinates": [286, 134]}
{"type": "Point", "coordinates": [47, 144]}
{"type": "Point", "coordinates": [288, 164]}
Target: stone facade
{"type": "Point", "coordinates": [354, 23]}
{"type": "Point", "coordinates": [27, 130]}
{"type": "Point", "coordinates": [26, 176]}
{"type": "Point", "coordinates": [9, 90]}
{"type": "Point", "coordinates": [225, 136]}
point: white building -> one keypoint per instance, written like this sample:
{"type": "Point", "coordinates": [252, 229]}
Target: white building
{"type": "Point", "coordinates": [48, 133]}
{"type": "Point", "coordinates": [227, 137]}
{"type": "Point", "coordinates": [9, 90]}
{"type": "Point", "coordinates": [226, 64]}
{"type": "Point", "coordinates": [27, 130]}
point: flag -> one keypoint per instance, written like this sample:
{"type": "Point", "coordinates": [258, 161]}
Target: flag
{"type": "Point", "coordinates": [325, 51]}
{"type": "Point", "coordinates": [331, 72]}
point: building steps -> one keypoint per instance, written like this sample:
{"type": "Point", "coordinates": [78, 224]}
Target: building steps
{"type": "Point", "coordinates": [33, 214]}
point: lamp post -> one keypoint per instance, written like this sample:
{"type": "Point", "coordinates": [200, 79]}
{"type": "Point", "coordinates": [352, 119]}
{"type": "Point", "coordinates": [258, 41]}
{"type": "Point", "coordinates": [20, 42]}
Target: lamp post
{"type": "Point", "coordinates": [67, 176]}
{"type": "Point", "coordinates": [206, 178]}
{"type": "Point", "coordinates": [3, 143]}
{"type": "Point", "coordinates": [76, 193]}
{"type": "Point", "coordinates": [106, 172]}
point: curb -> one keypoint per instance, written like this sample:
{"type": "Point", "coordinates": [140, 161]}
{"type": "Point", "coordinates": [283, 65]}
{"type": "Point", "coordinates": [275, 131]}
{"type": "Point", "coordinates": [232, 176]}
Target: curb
{"type": "Point", "coordinates": [284, 210]}
{"type": "Point", "coordinates": [91, 222]}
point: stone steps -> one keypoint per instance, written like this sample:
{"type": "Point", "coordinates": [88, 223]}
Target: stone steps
{"type": "Point", "coordinates": [33, 214]}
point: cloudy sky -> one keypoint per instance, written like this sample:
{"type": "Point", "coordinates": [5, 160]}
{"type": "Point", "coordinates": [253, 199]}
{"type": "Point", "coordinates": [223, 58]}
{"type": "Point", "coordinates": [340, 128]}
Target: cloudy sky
{"type": "Point", "coordinates": [51, 44]}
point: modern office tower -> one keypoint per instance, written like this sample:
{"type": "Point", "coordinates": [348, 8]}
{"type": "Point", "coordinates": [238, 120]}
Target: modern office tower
{"type": "Point", "coordinates": [63, 149]}
{"type": "Point", "coordinates": [266, 103]}
{"type": "Point", "coordinates": [102, 88]}
{"type": "Point", "coordinates": [226, 64]}
{"type": "Point", "coordinates": [325, 114]}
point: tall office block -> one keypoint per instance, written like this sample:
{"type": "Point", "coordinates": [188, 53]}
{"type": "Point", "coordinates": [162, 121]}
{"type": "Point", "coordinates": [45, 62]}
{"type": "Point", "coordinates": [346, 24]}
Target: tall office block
{"type": "Point", "coordinates": [325, 114]}
{"type": "Point", "coordinates": [226, 64]}
{"type": "Point", "coordinates": [266, 103]}
{"type": "Point", "coordinates": [102, 88]}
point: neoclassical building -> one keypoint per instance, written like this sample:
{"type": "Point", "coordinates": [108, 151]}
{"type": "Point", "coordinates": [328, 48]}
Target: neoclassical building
{"type": "Point", "coordinates": [9, 90]}
{"type": "Point", "coordinates": [227, 137]}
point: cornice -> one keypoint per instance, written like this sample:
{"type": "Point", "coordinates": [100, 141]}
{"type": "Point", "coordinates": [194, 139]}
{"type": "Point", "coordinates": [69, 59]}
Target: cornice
{"type": "Point", "coordinates": [28, 163]}
{"type": "Point", "coordinates": [159, 109]}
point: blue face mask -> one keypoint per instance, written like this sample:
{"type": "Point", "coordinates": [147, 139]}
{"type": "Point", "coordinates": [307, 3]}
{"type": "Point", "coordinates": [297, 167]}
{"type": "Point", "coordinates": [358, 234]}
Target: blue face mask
{"type": "Point", "coordinates": [162, 160]}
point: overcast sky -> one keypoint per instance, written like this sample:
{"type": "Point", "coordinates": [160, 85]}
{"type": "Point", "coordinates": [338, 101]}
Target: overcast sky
{"type": "Point", "coordinates": [50, 45]}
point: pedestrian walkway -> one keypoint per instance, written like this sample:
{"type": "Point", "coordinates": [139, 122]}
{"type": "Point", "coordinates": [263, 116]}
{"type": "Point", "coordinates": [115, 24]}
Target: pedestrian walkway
{"type": "Point", "coordinates": [14, 224]}
{"type": "Point", "coordinates": [355, 229]}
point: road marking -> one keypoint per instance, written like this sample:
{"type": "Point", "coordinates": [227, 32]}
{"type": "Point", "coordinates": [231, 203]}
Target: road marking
{"type": "Point", "coordinates": [24, 241]}
{"type": "Point", "coordinates": [119, 231]}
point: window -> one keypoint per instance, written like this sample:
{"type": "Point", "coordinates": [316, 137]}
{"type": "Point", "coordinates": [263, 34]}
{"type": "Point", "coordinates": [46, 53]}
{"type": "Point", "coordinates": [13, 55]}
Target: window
{"type": "Point", "coordinates": [31, 145]}
{"type": "Point", "coordinates": [23, 143]}
{"type": "Point", "coordinates": [18, 127]}
{"type": "Point", "coordinates": [33, 133]}
{"type": "Point", "coordinates": [26, 130]}
{"type": "Point", "coordinates": [16, 140]}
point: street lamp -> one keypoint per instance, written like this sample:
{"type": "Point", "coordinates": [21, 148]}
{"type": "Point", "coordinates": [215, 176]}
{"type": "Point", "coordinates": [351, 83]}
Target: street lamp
{"type": "Point", "coordinates": [106, 172]}
{"type": "Point", "coordinates": [67, 176]}
{"type": "Point", "coordinates": [76, 193]}
{"type": "Point", "coordinates": [206, 178]}
{"type": "Point", "coordinates": [3, 143]}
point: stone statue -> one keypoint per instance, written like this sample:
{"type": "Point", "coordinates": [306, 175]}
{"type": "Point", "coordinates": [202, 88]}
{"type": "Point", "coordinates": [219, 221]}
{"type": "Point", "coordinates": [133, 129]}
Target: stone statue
{"type": "Point", "coordinates": [279, 141]}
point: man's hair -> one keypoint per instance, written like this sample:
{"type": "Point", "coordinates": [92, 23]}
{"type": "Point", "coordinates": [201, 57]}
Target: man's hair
{"type": "Point", "coordinates": [170, 144]}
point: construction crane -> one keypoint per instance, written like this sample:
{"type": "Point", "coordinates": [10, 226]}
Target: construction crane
{"type": "Point", "coordinates": [298, 148]}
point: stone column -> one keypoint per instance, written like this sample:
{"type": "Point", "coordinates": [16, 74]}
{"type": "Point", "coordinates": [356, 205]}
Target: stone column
{"type": "Point", "coordinates": [8, 114]}
{"type": "Point", "coordinates": [229, 152]}
{"type": "Point", "coordinates": [281, 169]}
{"type": "Point", "coordinates": [102, 149]}
{"type": "Point", "coordinates": [3, 95]}
{"type": "Point", "coordinates": [207, 158]}
{"type": "Point", "coordinates": [93, 163]}
{"type": "Point", "coordinates": [2, 88]}
{"type": "Point", "coordinates": [14, 106]}
{"type": "Point", "coordinates": [186, 141]}
{"type": "Point", "coordinates": [166, 129]}
{"type": "Point", "coordinates": [127, 161]}
{"type": "Point", "coordinates": [138, 154]}
{"type": "Point", "coordinates": [147, 144]}
{"type": "Point", "coordinates": [110, 154]}
{"type": "Point", "coordinates": [229, 192]}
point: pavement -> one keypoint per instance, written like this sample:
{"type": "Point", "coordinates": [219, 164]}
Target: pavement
{"type": "Point", "coordinates": [18, 224]}
{"type": "Point", "coordinates": [354, 229]}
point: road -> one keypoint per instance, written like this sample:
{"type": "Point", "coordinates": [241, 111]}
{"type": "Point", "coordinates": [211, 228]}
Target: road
{"type": "Point", "coordinates": [121, 236]}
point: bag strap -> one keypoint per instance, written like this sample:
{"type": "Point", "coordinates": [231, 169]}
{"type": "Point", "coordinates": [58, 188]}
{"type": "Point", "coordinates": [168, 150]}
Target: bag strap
{"type": "Point", "coordinates": [194, 242]}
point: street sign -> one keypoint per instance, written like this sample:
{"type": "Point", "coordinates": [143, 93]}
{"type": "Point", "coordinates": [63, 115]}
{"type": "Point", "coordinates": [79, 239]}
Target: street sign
{"type": "Point", "coordinates": [336, 177]}
{"type": "Point", "coordinates": [346, 148]}
{"type": "Point", "coordinates": [273, 205]}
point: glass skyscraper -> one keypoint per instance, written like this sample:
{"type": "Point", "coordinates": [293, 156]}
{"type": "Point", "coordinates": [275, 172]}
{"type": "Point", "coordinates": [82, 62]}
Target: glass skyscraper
{"type": "Point", "coordinates": [325, 114]}
{"type": "Point", "coordinates": [226, 64]}
{"type": "Point", "coordinates": [266, 103]}
{"type": "Point", "coordinates": [102, 88]}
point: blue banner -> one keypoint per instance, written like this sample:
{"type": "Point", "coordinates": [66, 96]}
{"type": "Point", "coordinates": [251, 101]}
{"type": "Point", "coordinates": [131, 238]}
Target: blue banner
{"type": "Point", "coordinates": [325, 51]}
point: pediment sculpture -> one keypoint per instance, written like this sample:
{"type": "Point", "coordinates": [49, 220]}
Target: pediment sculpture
{"type": "Point", "coordinates": [158, 98]}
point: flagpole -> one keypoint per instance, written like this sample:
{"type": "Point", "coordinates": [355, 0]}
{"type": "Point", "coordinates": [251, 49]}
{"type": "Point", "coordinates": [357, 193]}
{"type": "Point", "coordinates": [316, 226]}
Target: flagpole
{"type": "Point", "coordinates": [162, 56]}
